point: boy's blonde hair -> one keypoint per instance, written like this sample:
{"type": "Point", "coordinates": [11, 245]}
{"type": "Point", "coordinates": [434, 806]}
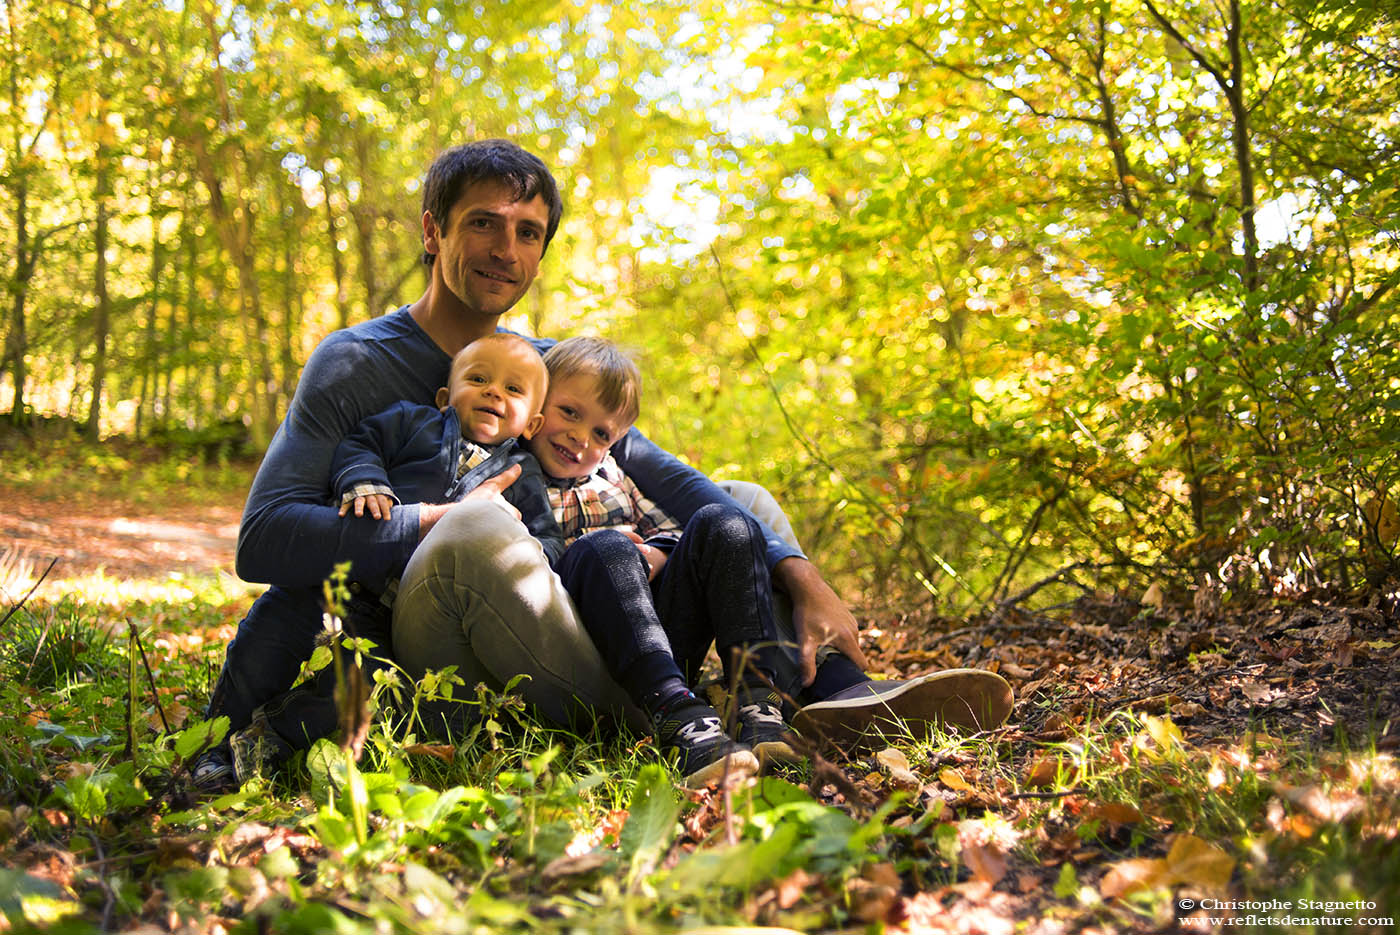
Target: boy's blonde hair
{"type": "Point", "coordinates": [619, 380]}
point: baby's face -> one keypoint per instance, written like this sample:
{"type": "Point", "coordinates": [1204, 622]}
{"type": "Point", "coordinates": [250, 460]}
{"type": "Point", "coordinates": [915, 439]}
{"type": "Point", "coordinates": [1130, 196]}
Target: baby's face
{"type": "Point", "coordinates": [497, 389]}
{"type": "Point", "coordinates": [578, 430]}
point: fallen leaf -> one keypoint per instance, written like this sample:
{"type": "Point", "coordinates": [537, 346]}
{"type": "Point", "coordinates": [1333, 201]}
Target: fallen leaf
{"type": "Point", "coordinates": [791, 888]}
{"type": "Point", "coordinates": [1153, 597]}
{"type": "Point", "coordinates": [1042, 771]}
{"type": "Point", "coordinates": [1164, 733]}
{"type": "Point", "coordinates": [896, 765]}
{"type": "Point", "coordinates": [443, 751]}
{"type": "Point", "coordinates": [986, 862]}
{"type": "Point", "coordinates": [1015, 671]}
{"type": "Point", "coordinates": [1199, 863]}
{"type": "Point", "coordinates": [1139, 873]}
{"type": "Point", "coordinates": [561, 867]}
{"type": "Point", "coordinates": [1259, 694]}
{"type": "Point", "coordinates": [954, 780]}
{"type": "Point", "coordinates": [871, 902]}
{"type": "Point", "coordinates": [1312, 799]}
{"type": "Point", "coordinates": [1116, 812]}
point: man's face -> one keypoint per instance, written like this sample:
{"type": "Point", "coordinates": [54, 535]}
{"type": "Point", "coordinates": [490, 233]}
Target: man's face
{"type": "Point", "coordinates": [577, 430]}
{"type": "Point", "coordinates": [497, 389]}
{"type": "Point", "coordinates": [489, 250]}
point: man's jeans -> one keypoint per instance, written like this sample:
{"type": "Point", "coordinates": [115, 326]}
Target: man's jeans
{"type": "Point", "coordinates": [478, 595]}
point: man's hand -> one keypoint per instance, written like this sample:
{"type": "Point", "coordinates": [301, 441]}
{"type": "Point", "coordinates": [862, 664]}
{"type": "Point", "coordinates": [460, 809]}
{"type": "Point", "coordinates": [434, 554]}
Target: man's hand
{"type": "Point", "coordinates": [820, 616]}
{"type": "Point", "coordinates": [490, 489]}
{"type": "Point", "coordinates": [378, 505]}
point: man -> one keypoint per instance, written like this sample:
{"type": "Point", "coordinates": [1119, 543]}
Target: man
{"type": "Point", "coordinates": [490, 210]}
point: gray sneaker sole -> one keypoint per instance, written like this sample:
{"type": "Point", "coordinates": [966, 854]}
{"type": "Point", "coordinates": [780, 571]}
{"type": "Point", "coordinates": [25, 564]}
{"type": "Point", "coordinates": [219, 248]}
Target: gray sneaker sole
{"type": "Point", "coordinates": [969, 699]}
{"type": "Point", "coordinates": [740, 763]}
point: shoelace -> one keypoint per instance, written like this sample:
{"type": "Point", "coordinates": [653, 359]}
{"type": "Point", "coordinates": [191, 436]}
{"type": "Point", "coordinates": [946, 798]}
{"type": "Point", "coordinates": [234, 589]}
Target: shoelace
{"type": "Point", "coordinates": [706, 728]}
{"type": "Point", "coordinates": [761, 713]}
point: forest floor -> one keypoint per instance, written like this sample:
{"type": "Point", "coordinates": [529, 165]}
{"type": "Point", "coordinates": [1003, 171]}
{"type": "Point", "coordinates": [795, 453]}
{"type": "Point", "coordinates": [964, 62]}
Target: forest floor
{"type": "Point", "coordinates": [124, 539]}
{"type": "Point", "coordinates": [1157, 757]}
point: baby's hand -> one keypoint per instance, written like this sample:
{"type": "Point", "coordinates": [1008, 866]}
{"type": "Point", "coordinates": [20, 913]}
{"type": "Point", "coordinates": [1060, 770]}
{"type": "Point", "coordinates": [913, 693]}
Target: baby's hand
{"type": "Point", "coordinates": [379, 506]}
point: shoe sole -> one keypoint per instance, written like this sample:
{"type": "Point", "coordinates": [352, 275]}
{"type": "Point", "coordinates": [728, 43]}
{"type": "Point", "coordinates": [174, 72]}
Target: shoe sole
{"type": "Point", "coordinates": [740, 763]}
{"type": "Point", "coordinates": [970, 699]}
{"type": "Point", "coordinates": [775, 751]}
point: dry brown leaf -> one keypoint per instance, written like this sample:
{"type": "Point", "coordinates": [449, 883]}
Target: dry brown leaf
{"type": "Point", "coordinates": [1153, 597]}
{"type": "Point", "coordinates": [1139, 873]}
{"type": "Point", "coordinates": [443, 751]}
{"type": "Point", "coordinates": [1015, 671]}
{"type": "Point", "coordinates": [871, 902]}
{"type": "Point", "coordinates": [1199, 863]}
{"type": "Point", "coordinates": [791, 888]}
{"type": "Point", "coordinates": [954, 780]}
{"type": "Point", "coordinates": [986, 861]}
{"type": "Point", "coordinates": [896, 766]}
{"type": "Point", "coordinates": [1116, 812]}
{"type": "Point", "coordinates": [1259, 694]}
{"type": "Point", "coordinates": [1042, 771]}
{"type": "Point", "coordinates": [1313, 799]}
{"type": "Point", "coordinates": [566, 866]}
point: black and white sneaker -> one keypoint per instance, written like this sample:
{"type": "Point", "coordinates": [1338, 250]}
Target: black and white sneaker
{"type": "Point", "coordinates": [257, 749]}
{"type": "Point", "coordinates": [704, 753]}
{"type": "Point", "coordinates": [970, 699]}
{"type": "Point", "coordinates": [213, 771]}
{"type": "Point", "coordinates": [761, 725]}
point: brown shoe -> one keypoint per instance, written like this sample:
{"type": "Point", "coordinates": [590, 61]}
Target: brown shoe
{"type": "Point", "coordinates": [970, 699]}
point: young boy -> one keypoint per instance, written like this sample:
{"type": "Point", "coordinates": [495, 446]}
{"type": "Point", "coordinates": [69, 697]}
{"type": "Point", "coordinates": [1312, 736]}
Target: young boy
{"type": "Point", "coordinates": [410, 453]}
{"type": "Point", "coordinates": [652, 594]}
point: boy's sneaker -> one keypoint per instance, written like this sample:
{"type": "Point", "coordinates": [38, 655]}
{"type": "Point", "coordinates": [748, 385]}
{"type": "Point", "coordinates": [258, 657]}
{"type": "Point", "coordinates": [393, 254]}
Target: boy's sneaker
{"type": "Point", "coordinates": [705, 753]}
{"type": "Point", "coordinates": [971, 699]}
{"type": "Point", "coordinates": [213, 771]}
{"type": "Point", "coordinates": [257, 749]}
{"type": "Point", "coordinates": [761, 725]}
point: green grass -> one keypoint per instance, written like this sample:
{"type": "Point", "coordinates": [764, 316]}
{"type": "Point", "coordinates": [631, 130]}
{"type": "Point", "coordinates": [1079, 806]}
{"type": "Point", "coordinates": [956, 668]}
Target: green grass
{"type": "Point", "coordinates": [528, 828]}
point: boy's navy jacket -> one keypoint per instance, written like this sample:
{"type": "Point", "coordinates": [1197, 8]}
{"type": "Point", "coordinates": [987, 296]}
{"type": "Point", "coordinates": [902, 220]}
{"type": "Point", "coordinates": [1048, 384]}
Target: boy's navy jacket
{"type": "Point", "coordinates": [413, 450]}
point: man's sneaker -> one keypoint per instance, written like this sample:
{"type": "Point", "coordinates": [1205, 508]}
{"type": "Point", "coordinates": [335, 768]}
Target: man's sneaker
{"type": "Point", "coordinates": [705, 754]}
{"type": "Point", "coordinates": [971, 699]}
{"type": "Point", "coordinates": [257, 750]}
{"type": "Point", "coordinates": [761, 725]}
{"type": "Point", "coordinates": [213, 771]}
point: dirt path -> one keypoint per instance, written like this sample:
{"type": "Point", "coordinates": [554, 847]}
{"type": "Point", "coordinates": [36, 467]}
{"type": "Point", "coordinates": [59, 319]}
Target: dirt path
{"type": "Point", "coordinates": [124, 540]}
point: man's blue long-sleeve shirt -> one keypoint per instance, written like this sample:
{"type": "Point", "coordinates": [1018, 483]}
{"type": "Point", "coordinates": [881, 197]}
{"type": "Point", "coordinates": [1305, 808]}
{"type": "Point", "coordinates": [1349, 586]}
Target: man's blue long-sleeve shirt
{"type": "Point", "coordinates": [290, 536]}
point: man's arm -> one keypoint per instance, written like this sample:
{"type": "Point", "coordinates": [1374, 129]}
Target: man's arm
{"type": "Point", "coordinates": [291, 535]}
{"type": "Point", "coordinates": [819, 615]}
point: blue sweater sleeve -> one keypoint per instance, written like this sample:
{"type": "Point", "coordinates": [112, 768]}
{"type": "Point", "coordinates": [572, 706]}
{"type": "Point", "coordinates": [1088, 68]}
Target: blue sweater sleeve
{"type": "Point", "coordinates": [679, 489]}
{"type": "Point", "coordinates": [290, 535]}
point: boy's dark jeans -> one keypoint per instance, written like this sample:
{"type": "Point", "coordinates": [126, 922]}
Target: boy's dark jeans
{"type": "Point", "coordinates": [714, 588]}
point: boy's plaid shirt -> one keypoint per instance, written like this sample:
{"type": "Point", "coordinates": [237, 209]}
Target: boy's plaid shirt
{"type": "Point", "coordinates": [606, 499]}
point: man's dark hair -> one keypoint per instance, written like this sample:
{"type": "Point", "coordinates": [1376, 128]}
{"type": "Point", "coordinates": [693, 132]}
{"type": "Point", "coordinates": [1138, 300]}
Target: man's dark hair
{"type": "Point", "coordinates": [494, 161]}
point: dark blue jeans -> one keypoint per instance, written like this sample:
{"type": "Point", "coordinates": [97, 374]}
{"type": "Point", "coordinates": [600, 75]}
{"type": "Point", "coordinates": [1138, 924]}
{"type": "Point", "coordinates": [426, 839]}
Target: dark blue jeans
{"type": "Point", "coordinates": [713, 589]}
{"type": "Point", "coordinates": [266, 654]}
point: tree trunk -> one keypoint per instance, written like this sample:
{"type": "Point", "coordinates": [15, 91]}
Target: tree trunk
{"type": "Point", "coordinates": [342, 294]}
{"type": "Point", "coordinates": [102, 313]}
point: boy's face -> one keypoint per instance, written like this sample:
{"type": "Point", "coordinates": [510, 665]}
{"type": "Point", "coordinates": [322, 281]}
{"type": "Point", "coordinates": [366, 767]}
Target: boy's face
{"type": "Point", "coordinates": [577, 430]}
{"type": "Point", "coordinates": [497, 389]}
